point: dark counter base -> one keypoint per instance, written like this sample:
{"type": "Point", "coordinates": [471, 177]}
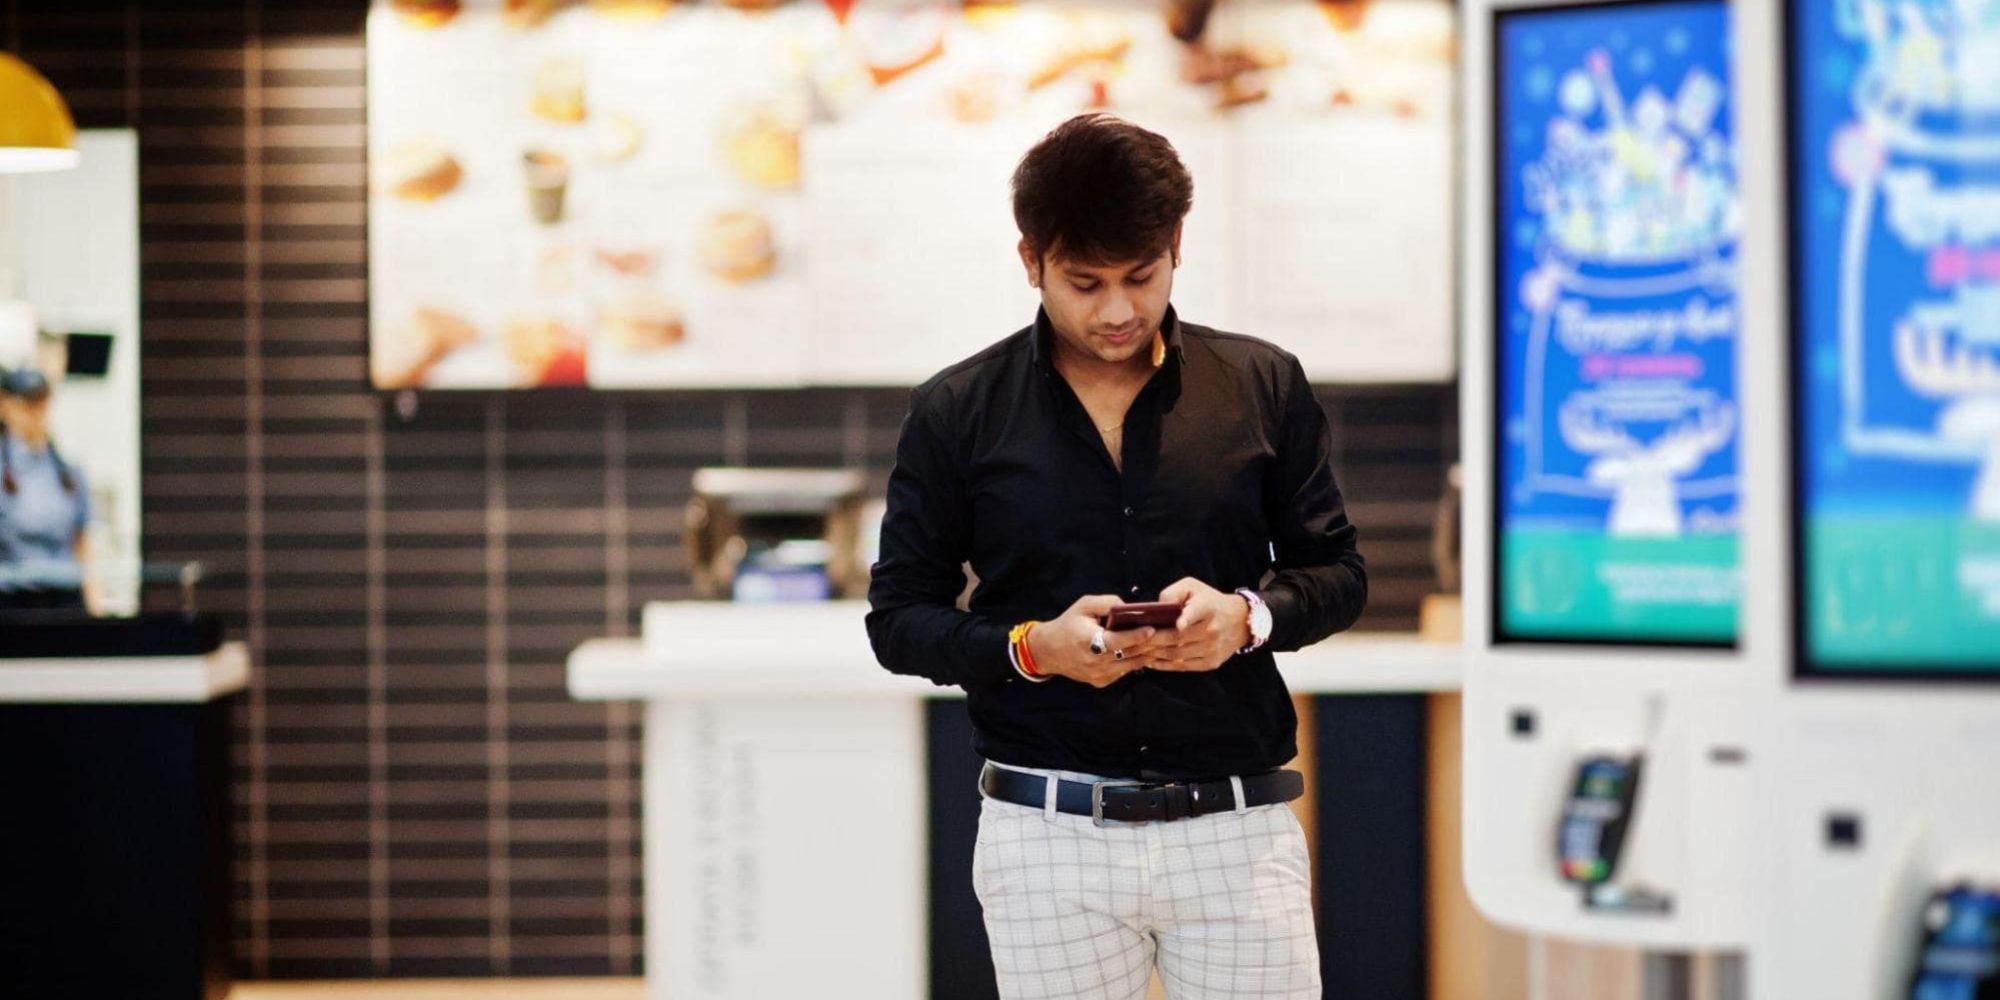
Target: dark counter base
{"type": "Point", "coordinates": [57, 634]}
{"type": "Point", "coordinates": [114, 851]}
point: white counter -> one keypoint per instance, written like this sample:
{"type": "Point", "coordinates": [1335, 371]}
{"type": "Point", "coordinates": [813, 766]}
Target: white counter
{"type": "Point", "coordinates": [126, 679]}
{"type": "Point", "coordinates": [820, 650]}
{"type": "Point", "coordinates": [733, 698]}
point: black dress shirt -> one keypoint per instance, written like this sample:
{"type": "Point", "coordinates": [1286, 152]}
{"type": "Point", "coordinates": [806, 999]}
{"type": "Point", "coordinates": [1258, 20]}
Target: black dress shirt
{"type": "Point", "coordinates": [1225, 479]}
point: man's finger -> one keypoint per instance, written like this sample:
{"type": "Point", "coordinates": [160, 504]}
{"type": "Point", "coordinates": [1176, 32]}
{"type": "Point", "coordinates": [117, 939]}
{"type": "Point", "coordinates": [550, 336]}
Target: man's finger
{"type": "Point", "coordinates": [1122, 644]}
{"type": "Point", "coordinates": [1162, 639]}
{"type": "Point", "coordinates": [1194, 614]}
{"type": "Point", "coordinates": [1180, 590]}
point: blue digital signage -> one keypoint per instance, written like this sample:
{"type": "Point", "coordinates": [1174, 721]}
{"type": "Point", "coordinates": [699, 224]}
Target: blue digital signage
{"type": "Point", "coordinates": [1617, 219]}
{"type": "Point", "coordinates": [1894, 201]}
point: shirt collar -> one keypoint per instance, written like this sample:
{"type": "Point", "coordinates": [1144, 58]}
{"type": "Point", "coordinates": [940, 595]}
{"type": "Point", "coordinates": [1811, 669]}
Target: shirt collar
{"type": "Point", "coordinates": [20, 451]}
{"type": "Point", "coordinates": [1041, 347]}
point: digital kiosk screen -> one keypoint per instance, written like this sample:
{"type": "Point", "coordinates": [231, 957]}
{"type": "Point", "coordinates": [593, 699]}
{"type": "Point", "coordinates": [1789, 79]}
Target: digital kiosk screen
{"type": "Point", "coordinates": [1894, 206]}
{"type": "Point", "coordinates": [1615, 266]}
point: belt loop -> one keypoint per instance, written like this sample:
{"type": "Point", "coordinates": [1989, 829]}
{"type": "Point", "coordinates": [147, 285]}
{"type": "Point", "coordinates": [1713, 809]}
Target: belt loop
{"type": "Point", "coordinates": [1049, 797]}
{"type": "Point", "coordinates": [1236, 785]}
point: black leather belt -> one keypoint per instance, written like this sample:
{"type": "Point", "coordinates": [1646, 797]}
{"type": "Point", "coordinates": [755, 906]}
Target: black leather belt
{"type": "Point", "coordinates": [1140, 802]}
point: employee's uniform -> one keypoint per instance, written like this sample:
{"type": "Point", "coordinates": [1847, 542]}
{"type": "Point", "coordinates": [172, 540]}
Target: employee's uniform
{"type": "Point", "coordinates": [40, 518]}
{"type": "Point", "coordinates": [1224, 478]}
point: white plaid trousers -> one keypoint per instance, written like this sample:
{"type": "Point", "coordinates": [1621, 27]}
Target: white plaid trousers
{"type": "Point", "coordinates": [1222, 903]}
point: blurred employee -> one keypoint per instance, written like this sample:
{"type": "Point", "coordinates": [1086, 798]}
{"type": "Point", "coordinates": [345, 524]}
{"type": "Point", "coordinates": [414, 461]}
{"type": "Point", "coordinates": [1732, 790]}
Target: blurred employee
{"type": "Point", "coordinates": [44, 503]}
{"type": "Point", "coordinates": [1111, 452]}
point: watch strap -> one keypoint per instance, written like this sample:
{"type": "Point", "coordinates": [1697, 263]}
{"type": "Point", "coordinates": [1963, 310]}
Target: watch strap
{"type": "Point", "coordinates": [1259, 622]}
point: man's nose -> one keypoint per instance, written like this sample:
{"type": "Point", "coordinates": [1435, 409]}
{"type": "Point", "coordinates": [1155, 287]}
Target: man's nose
{"type": "Point", "coordinates": [1117, 311]}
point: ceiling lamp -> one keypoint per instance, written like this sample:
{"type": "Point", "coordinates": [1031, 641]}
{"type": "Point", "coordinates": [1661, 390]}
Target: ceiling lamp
{"type": "Point", "coordinates": [36, 131]}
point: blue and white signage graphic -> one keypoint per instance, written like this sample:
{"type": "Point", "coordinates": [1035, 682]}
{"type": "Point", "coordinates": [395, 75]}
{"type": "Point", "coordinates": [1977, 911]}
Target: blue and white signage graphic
{"type": "Point", "coordinates": [1895, 187]}
{"type": "Point", "coordinates": [1616, 317]}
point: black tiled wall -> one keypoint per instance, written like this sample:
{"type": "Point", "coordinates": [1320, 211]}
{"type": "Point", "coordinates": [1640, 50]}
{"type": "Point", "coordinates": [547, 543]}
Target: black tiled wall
{"type": "Point", "coordinates": [416, 793]}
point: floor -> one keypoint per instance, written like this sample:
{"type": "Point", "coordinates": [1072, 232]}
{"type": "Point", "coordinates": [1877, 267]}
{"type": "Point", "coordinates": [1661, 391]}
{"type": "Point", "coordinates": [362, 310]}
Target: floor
{"type": "Point", "coordinates": [446, 989]}
{"type": "Point", "coordinates": [462, 989]}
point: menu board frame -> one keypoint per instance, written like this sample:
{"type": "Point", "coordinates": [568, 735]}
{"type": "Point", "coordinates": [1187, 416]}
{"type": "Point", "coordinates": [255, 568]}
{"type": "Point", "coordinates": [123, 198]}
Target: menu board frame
{"type": "Point", "coordinates": [1498, 308]}
{"type": "Point", "coordinates": [1804, 667]}
{"type": "Point", "coordinates": [552, 206]}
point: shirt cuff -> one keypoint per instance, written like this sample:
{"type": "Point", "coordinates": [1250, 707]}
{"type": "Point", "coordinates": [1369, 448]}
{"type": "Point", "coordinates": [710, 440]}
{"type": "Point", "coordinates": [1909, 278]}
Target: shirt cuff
{"type": "Point", "coordinates": [990, 662]}
{"type": "Point", "coordinates": [1285, 611]}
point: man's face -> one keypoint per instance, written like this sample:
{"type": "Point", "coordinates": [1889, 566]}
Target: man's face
{"type": "Point", "coordinates": [1109, 312]}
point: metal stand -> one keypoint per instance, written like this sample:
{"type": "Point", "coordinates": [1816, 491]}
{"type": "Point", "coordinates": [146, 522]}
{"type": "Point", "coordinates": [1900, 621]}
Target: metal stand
{"type": "Point", "coordinates": [1666, 976]}
{"type": "Point", "coordinates": [1671, 976]}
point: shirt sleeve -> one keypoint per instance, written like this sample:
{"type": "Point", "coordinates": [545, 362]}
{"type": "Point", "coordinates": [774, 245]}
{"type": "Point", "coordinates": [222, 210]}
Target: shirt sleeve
{"type": "Point", "coordinates": [914, 622]}
{"type": "Point", "coordinates": [1320, 582]}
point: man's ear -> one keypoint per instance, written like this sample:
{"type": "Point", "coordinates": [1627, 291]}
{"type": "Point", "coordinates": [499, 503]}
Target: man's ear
{"type": "Point", "coordinates": [1032, 262]}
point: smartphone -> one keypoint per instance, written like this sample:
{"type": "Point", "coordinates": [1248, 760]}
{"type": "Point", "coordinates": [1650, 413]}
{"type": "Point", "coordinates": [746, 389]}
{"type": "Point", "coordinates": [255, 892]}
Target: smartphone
{"type": "Point", "coordinates": [1158, 614]}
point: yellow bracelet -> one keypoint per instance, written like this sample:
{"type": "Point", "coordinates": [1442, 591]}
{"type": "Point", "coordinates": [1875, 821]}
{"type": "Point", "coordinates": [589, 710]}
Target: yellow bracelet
{"type": "Point", "coordinates": [1018, 654]}
{"type": "Point", "coordinates": [1020, 632]}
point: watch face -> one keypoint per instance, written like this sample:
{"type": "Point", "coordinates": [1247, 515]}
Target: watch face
{"type": "Point", "coordinates": [1260, 617]}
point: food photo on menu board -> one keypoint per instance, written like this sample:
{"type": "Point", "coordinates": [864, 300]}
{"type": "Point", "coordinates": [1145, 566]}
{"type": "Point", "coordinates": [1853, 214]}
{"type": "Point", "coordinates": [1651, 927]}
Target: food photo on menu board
{"type": "Point", "coordinates": [1616, 270]}
{"type": "Point", "coordinates": [1895, 159]}
{"type": "Point", "coordinates": [639, 193]}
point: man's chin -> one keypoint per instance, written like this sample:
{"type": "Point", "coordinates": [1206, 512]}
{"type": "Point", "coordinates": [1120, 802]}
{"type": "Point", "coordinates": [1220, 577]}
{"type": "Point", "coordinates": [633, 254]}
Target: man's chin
{"type": "Point", "coordinates": [1120, 353]}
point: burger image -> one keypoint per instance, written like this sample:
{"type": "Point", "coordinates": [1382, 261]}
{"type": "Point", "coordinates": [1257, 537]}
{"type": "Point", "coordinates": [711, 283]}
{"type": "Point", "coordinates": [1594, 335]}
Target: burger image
{"type": "Point", "coordinates": [643, 321]}
{"type": "Point", "coordinates": [737, 246]}
{"type": "Point", "coordinates": [761, 144]}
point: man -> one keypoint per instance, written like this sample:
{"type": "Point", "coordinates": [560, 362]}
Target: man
{"type": "Point", "coordinates": [1112, 453]}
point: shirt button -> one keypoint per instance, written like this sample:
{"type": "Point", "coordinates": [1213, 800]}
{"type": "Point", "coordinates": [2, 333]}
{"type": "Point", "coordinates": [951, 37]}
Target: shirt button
{"type": "Point", "coordinates": [1134, 590]}
{"type": "Point", "coordinates": [1128, 512]}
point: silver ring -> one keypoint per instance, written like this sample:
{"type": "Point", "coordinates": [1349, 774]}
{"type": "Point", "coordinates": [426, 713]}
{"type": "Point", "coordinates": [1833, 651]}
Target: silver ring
{"type": "Point", "coordinates": [1097, 642]}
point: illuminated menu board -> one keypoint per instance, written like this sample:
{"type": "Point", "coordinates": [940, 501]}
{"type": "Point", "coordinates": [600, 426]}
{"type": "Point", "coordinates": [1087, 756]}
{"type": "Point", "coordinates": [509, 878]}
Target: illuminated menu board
{"type": "Point", "coordinates": [1615, 316]}
{"type": "Point", "coordinates": [1895, 253]}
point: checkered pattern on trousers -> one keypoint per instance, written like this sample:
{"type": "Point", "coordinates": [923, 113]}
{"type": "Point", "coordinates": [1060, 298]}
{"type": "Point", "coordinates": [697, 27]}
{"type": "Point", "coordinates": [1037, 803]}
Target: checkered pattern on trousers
{"type": "Point", "coordinates": [1222, 902]}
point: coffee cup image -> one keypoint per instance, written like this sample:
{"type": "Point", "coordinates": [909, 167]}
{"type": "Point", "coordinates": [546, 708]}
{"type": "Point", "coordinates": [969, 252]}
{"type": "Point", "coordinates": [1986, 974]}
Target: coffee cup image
{"type": "Point", "coordinates": [547, 176]}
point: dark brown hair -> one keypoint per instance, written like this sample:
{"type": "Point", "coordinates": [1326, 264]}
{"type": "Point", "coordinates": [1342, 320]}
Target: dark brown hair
{"type": "Point", "coordinates": [1101, 190]}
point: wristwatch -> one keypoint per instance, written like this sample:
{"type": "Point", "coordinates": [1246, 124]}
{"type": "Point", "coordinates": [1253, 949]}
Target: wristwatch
{"type": "Point", "coordinates": [1260, 620]}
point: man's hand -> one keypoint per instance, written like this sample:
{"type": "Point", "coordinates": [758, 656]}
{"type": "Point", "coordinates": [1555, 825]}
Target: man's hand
{"type": "Point", "coordinates": [1061, 647]}
{"type": "Point", "coordinates": [1212, 627]}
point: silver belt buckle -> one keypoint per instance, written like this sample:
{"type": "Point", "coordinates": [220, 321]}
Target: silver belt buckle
{"type": "Point", "coordinates": [1097, 801]}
